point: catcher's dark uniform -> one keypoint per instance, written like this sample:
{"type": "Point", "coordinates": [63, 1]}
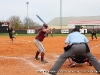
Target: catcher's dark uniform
{"type": "Point", "coordinates": [93, 34]}
{"type": "Point", "coordinates": [10, 31]}
{"type": "Point", "coordinates": [81, 59]}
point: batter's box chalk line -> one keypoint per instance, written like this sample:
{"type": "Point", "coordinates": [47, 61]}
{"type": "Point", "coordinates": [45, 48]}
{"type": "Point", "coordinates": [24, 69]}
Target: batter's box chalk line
{"type": "Point", "coordinates": [28, 62]}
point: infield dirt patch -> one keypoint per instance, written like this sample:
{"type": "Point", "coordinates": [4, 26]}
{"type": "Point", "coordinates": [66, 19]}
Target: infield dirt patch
{"type": "Point", "coordinates": [17, 58]}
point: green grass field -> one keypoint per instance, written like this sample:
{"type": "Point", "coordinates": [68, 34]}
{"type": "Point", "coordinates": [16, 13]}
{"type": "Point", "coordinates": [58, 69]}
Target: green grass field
{"type": "Point", "coordinates": [6, 34]}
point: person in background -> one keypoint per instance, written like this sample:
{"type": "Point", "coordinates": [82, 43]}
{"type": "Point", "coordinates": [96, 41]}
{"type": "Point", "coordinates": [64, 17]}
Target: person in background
{"type": "Point", "coordinates": [93, 34]}
{"type": "Point", "coordinates": [10, 31]}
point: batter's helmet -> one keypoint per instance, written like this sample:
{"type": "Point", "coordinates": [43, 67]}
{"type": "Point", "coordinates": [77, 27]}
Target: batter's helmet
{"type": "Point", "coordinates": [45, 25]}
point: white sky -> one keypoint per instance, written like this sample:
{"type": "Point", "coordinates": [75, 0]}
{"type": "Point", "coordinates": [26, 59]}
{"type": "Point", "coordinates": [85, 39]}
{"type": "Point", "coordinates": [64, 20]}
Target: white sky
{"type": "Point", "coordinates": [48, 9]}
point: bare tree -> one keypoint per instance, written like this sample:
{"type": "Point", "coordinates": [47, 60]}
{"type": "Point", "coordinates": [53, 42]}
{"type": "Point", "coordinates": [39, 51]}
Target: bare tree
{"type": "Point", "coordinates": [28, 22]}
{"type": "Point", "coordinates": [15, 22]}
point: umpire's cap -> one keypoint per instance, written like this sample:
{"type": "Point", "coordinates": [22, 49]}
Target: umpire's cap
{"type": "Point", "coordinates": [76, 29]}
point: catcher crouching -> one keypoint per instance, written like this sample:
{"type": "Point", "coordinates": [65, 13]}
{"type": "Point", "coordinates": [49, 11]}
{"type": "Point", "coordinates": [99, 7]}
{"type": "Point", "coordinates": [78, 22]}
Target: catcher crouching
{"type": "Point", "coordinates": [78, 58]}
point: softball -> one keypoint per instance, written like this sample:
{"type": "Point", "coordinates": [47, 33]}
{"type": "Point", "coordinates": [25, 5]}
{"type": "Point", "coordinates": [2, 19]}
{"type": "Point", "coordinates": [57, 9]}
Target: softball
{"type": "Point", "coordinates": [16, 34]}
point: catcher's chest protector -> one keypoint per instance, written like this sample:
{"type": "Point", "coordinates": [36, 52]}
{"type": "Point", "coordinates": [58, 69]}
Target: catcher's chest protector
{"type": "Point", "coordinates": [79, 58]}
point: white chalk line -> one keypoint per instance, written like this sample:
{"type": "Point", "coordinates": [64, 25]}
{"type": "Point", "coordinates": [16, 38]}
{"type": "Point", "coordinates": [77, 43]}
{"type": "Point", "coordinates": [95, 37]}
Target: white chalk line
{"type": "Point", "coordinates": [15, 41]}
{"type": "Point", "coordinates": [95, 46]}
{"type": "Point", "coordinates": [37, 67]}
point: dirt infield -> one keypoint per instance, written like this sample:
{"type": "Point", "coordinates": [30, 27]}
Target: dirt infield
{"type": "Point", "coordinates": [17, 58]}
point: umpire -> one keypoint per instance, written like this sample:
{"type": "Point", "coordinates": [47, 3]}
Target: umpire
{"type": "Point", "coordinates": [75, 43]}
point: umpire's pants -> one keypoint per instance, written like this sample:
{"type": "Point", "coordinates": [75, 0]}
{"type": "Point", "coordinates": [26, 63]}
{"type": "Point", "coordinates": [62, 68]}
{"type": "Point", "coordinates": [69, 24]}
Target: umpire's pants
{"type": "Point", "coordinates": [75, 49]}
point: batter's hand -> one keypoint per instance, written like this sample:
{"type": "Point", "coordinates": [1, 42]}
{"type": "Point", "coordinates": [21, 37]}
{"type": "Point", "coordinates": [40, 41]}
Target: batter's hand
{"type": "Point", "coordinates": [49, 30]}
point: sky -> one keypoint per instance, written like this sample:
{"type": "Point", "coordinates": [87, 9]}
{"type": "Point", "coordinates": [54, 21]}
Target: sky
{"type": "Point", "coordinates": [48, 9]}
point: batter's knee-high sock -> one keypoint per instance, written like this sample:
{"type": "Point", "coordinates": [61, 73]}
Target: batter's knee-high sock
{"type": "Point", "coordinates": [42, 56]}
{"type": "Point", "coordinates": [37, 53]}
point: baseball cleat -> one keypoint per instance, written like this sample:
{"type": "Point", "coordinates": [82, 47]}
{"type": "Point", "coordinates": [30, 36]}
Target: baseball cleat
{"type": "Point", "coordinates": [43, 61]}
{"type": "Point", "coordinates": [37, 58]}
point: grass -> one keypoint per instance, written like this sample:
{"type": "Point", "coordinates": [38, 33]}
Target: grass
{"type": "Point", "coordinates": [87, 35]}
{"type": "Point", "coordinates": [6, 34]}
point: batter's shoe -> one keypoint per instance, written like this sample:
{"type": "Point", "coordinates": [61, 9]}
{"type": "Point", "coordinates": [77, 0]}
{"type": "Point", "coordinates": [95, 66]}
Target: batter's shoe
{"type": "Point", "coordinates": [37, 58]}
{"type": "Point", "coordinates": [43, 61]}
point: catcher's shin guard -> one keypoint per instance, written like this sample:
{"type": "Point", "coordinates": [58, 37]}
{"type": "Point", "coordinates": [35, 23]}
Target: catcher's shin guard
{"type": "Point", "coordinates": [70, 60]}
{"type": "Point", "coordinates": [72, 63]}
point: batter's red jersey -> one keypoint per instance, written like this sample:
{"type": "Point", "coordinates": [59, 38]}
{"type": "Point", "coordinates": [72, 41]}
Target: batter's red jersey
{"type": "Point", "coordinates": [41, 35]}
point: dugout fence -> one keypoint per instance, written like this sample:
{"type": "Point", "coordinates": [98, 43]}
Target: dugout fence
{"type": "Point", "coordinates": [54, 31]}
{"type": "Point", "coordinates": [3, 27]}
{"type": "Point", "coordinates": [57, 31]}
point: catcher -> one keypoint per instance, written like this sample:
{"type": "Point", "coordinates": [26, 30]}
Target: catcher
{"type": "Point", "coordinates": [79, 58]}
